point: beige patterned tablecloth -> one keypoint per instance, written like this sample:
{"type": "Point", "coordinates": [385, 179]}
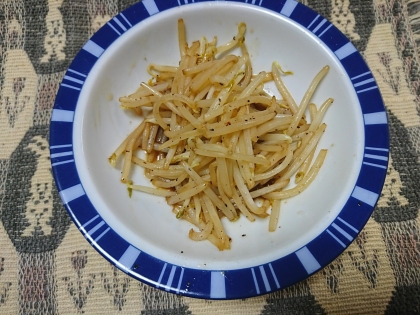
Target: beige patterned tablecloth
{"type": "Point", "coordinates": [47, 267]}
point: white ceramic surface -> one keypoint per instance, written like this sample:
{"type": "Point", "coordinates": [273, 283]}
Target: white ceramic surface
{"type": "Point", "coordinates": [146, 221]}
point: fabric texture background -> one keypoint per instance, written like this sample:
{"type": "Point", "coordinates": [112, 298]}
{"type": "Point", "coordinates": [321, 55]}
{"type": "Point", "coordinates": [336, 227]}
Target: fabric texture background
{"type": "Point", "coordinates": [47, 267]}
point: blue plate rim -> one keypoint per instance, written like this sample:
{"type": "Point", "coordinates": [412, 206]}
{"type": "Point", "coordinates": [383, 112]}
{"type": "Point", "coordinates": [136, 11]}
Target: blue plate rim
{"type": "Point", "coordinates": [222, 284]}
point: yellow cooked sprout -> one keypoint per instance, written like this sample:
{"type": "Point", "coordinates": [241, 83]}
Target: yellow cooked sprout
{"type": "Point", "coordinates": [217, 145]}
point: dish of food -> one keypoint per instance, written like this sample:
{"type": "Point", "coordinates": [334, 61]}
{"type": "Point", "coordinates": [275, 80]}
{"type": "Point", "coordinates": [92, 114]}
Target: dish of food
{"type": "Point", "coordinates": [140, 235]}
{"type": "Point", "coordinates": [217, 145]}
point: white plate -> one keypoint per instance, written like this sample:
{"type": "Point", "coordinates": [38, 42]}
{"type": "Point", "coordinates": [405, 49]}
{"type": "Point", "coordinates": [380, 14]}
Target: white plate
{"type": "Point", "coordinates": [140, 234]}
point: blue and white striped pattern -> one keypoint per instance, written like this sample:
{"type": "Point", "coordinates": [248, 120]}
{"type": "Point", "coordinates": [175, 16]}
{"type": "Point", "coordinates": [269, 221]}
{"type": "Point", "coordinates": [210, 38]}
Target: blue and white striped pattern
{"type": "Point", "coordinates": [73, 80]}
{"type": "Point", "coordinates": [308, 260]}
{"type": "Point", "coordinates": [151, 6]}
{"type": "Point", "coordinates": [63, 116]}
{"type": "Point", "coordinates": [339, 229]}
{"type": "Point", "coordinates": [265, 273]}
{"type": "Point", "coordinates": [61, 154]}
{"type": "Point", "coordinates": [288, 7]}
{"type": "Point", "coordinates": [364, 82]}
{"type": "Point", "coordinates": [222, 284]}
{"type": "Point", "coordinates": [69, 194]}
{"type": "Point", "coordinates": [217, 285]}
{"type": "Point", "coordinates": [93, 48]}
{"type": "Point", "coordinates": [376, 157]}
{"type": "Point", "coordinates": [119, 24]}
{"type": "Point", "coordinates": [345, 51]}
{"type": "Point", "coordinates": [129, 257]}
{"type": "Point", "coordinates": [319, 25]}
